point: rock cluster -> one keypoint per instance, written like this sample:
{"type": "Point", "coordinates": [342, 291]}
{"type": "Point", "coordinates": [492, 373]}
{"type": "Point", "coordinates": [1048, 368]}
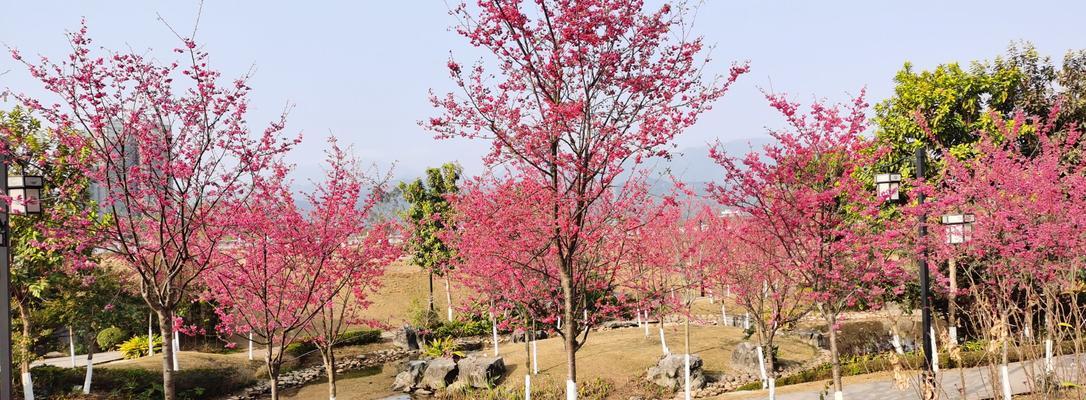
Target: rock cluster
{"type": "Point", "coordinates": [307, 375]}
{"type": "Point", "coordinates": [669, 372]}
{"type": "Point", "coordinates": [427, 376]}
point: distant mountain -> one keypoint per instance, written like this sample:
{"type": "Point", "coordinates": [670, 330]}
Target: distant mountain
{"type": "Point", "coordinates": [694, 167]}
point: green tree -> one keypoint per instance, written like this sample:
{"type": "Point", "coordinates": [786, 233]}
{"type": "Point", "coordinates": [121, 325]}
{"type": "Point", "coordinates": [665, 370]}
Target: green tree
{"type": "Point", "coordinates": [43, 260]}
{"type": "Point", "coordinates": [1043, 83]}
{"type": "Point", "coordinates": [428, 216]}
{"type": "Point", "coordinates": [954, 103]}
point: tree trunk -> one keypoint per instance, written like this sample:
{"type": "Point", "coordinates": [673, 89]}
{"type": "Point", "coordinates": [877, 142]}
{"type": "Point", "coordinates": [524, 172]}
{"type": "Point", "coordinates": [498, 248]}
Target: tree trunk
{"type": "Point", "coordinates": [273, 371]}
{"type": "Point", "coordinates": [835, 359]}
{"type": "Point", "coordinates": [90, 365]}
{"type": "Point", "coordinates": [952, 302]}
{"type": "Point", "coordinates": [430, 300]}
{"type": "Point", "coordinates": [570, 328]}
{"type": "Point", "coordinates": [24, 348]}
{"type": "Point", "coordinates": [329, 358]}
{"type": "Point", "coordinates": [448, 298]}
{"type": "Point", "coordinates": [165, 324]}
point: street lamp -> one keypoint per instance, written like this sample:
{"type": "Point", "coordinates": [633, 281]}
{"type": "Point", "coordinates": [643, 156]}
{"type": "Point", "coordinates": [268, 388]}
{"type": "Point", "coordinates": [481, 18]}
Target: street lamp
{"type": "Point", "coordinates": [888, 185]}
{"type": "Point", "coordinates": [25, 193]}
{"type": "Point", "coordinates": [27, 189]}
{"type": "Point", "coordinates": [959, 229]}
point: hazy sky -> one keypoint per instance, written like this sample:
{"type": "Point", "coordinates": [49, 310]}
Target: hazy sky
{"type": "Point", "coordinates": [361, 69]}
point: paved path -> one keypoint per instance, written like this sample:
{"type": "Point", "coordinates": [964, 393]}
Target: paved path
{"type": "Point", "coordinates": [978, 384]}
{"type": "Point", "coordinates": [80, 360]}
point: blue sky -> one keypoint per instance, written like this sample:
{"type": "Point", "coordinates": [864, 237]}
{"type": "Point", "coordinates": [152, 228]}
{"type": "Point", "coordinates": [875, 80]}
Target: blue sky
{"type": "Point", "coordinates": [361, 69]}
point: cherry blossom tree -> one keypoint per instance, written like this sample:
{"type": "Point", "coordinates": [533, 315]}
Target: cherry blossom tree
{"type": "Point", "coordinates": [1023, 186]}
{"type": "Point", "coordinates": [583, 92]}
{"type": "Point", "coordinates": [772, 297]}
{"type": "Point", "coordinates": [169, 150]}
{"type": "Point", "coordinates": [809, 194]}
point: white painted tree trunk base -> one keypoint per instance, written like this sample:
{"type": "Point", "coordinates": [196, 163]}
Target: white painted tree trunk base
{"type": "Point", "coordinates": [571, 390]}
{"type": "Point", "coordinates": [494, 331]}
{"type": "Point", "coordinates": [1049, 366]}
{"type": "Point", "coordinates": [934, 352]}
{"type": "Point", "coordinates": [897, 344]}
{"type": "Point", "coordinates": [535, 358]}
{"type": "Point", "coordinates": [87, 379]}
{"type": "Point", "coordinates": [250, 346]}
{"type": "Point", "coordinates": [772, 383]}
{"type": "Point", "coordinates": [838, 395]}
{"type": "Point", "coordinates": [761, 368]}
{"type": "Point", "coordinates": [686, 376]}
{"type": "Point", "coordinates": [176, 352]}
{"type": "Point", "coordinates": [71, 346]}
{"type": "Point", "coordinates": [28, 386]}
{"type": "Point", "coordinates": [527, 387]}
{"type": "Point", "coordinates": [663, 341]}
{"type": "Point", "coordinates": [1005, 377]}
{"type": "Point", "coordinates": [953, 334]}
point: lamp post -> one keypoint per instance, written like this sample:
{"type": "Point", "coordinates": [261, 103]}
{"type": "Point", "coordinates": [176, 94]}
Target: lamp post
{"type": "Point", "coordinates": [888, 185]}
{"type": "Point", "coordinates": [5, 286]}
{"type": "Point", "coordinates": [959, 229]}
{"type": "Point", "coordinates": [25, 191]}
{"type": "Point", "coordinates": [928, 376]}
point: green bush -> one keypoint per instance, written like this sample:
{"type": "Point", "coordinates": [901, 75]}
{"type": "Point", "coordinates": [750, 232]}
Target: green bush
{"type": "Point", "coordinates": [359, 337]}
{"type": "Point", "coordinates": [349, 338]}
{"type": "Point", "coordinates": [458, 328]}
{"type": "Point", "coordinates": [136, 347]}
{"type": "Point", "coordinates": [300, 348]}
{"type": "Point", "coordinates": [443, 347]}
{"type": "Point", "coordinates": [110, 337]}
{"type": "Point", "coordinates": [138, 384]}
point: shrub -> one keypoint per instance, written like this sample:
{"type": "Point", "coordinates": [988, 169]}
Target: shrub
{"type": "Point", "coordinates": [300, 348]}
{"type": "Point", "coordinates": [443, 347]}
{"type": "Point", "coordinates": [136, 347]}
{"type": "Point", "coordinates": [135, 383]}
{"type": "Point", "coordinates": [359, 337]}
{"type": "Point", "coordinates": [110, 337]}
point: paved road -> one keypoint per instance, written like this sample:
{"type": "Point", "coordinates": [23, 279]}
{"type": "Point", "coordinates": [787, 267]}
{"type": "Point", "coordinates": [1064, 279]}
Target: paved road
{"type": "Point", "coordinates": [978, 384]}
{"type": "Point", "coordinates": [80, 359]}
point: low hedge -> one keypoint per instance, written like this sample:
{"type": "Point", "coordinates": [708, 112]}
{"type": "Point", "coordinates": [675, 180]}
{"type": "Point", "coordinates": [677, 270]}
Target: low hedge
{"type": "Point", "coordinates": [356, 337]}
{"type": "Point", "coordinates": [137, 384]}
{"type": "Point", "coordinates": [866, 364]}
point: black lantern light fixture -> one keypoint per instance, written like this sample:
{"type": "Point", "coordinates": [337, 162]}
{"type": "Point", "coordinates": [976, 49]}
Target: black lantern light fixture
{"type": "Point", "coordinates": [26, 192]}
{"type": "Point", "coordinates": [888, 186]}
{"type": "Point", "coordinates": [959, 227]}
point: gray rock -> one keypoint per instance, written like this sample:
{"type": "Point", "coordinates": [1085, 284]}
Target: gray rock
{"type": "Point", "coordinates": [481, 372]}
{"type": "Point", "coordinates": [745, 357]}
{"type": "Point", "coordinates": [617, 324]}
{"type": "Point", "coordinates": [407, 338]}
{"type": "Point", "coordinates": [669, 372]}
{"type": "Point", "coordinates": [439, 374]}
{"type": "Point", "coordinates": [409, 376]}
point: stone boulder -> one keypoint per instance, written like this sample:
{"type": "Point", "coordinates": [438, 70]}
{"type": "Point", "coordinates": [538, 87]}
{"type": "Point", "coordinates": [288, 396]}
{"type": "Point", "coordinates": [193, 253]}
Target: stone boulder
{"type": "Point", "coordinates": [669, 372]}
{"type": "Point", "coordinates": [745, 357]}
{"type": "Point", "coordinates": [410, 375]}
{"type": "Point", "coordinates": [617, 325]}
{"type": "Point", "coordinates": [523, 336]}
{"type": "Point", "coordinates": [439, 374]}
{"type": "Point", "coordinates": [406, 338]}
{"type": "Point", "coordinates": [481, 372]}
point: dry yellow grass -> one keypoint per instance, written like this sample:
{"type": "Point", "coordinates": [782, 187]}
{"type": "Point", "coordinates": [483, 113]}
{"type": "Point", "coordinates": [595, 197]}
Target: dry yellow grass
{"type": "Point", "coordinates": [404, 284]}
{"type": "Point", "coordinates": [622, 356]}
